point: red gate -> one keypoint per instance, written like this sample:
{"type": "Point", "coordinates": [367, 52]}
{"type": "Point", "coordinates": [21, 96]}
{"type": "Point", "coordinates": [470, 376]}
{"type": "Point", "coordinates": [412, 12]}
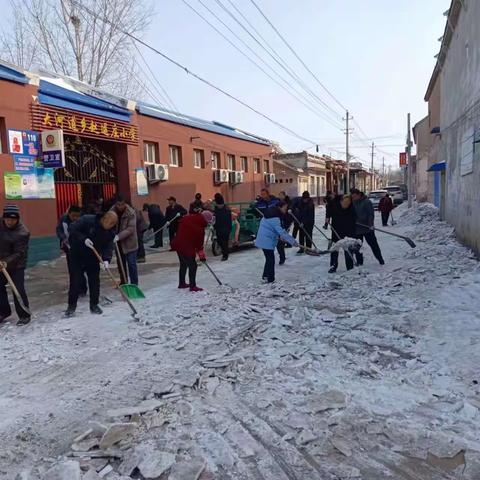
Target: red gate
{"type": "Point", "coordinates": [66, 195]}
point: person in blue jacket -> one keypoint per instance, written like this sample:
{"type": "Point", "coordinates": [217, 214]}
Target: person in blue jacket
{"type": "Point", "coordinates": [269, 232]}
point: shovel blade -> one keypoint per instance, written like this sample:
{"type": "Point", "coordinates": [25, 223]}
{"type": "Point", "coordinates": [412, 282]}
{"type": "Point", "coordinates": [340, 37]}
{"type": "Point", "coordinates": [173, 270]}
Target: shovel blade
{"type": "Point", "coordinates": [132, 291]}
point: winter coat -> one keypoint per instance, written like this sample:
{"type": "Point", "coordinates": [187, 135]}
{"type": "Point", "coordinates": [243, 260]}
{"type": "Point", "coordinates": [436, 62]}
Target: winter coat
{"type": "Point", "coordinates": [262, 204]}
{"type": "Point", "coordinates": [155, 217]}
{"type": "Point", "coordinates": [365, 214]}
{"type": "Point", "coordinates": [141, 223]}
{"type": "Point", "coordinates": [271, 230]}
{"type": "Point", "coordinates": [385, 205]}
{"type": "Point", "coordinates": [127, 230]}
{"type": "Point", "coordinates": [305, 211]}
{"type": "Point", "coordinates": [195, 206]}
{"type": "Point", "coordinates": [329, 202]}
{"type": "Point", "coordinates": [62, 231]}
{"type": "Point", "coordinates": [14, 245]}
{"type": "Point", "coordinates": [171, 212]}
{"type": "Point", "coordinates": [343, 221]}
{"type": "Point", "coordinates": [89, 226]}
{"type": "Point", "coordinates": [223, 219]}
{"type": "Point", "coordinates": [190, 235]}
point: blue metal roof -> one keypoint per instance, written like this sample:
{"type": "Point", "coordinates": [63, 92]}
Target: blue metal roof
{"type": "Point", "coordinates": [51, 94]}
{"type": "Point", "coordinates": [8, 73]}
{"type": "Point", "coordinates": [437, 167]}
{"type": "Point", "coordinates": [209, 126]}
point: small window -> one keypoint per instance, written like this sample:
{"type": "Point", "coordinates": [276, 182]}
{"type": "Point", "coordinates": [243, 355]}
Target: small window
{"type": "Point", "coordinates": [256, 165]}
{"type": "Point", "coordinates": [244, 164]}
{"type": "Point", "coordinates": [215, 158]}
{"type": "Point", "coordinates": [281, 180]}
{"type": "Point", "coordinates": [198, 159]}
{"type": "Point", "coordinates": [150, 152]}
{"type": "Point", "coordinates": [3, 136]}
{"type": "Point", "coordinates": [266, 166]}
{"type": "Point", "coordinates": [175, 156]}
{"type": "Point", "coordinates": [231, 162]}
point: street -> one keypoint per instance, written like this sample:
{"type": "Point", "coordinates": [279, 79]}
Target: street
{"type": "Point", "coordinates": [368, 374]}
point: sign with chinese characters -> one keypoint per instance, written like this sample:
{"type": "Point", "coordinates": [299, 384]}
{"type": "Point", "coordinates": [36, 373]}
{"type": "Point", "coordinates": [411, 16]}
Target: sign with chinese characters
{"type": "Point", "coordinates": [37, 185]}
{"type": "Point", "coordinates": [53, 151]}
{"type": "Point", "coordinates": [142, 184]}
{"type": "Point", "coordinates": [403, 159]}
{"type": "Point", "coordinates": [23, 142]}
{"type": "Point", "coordinates": [25, 164]}
{"type": "Point", "coordinates": [45, 117]}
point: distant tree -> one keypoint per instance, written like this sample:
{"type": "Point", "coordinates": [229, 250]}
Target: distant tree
{"type": "Point", "coordinates": [60, 36]}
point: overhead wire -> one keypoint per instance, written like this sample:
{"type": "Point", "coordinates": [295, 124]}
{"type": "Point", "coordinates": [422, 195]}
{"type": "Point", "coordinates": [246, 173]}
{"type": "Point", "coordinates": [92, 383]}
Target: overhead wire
{"type": "Point", "coordinates": [193, 74]}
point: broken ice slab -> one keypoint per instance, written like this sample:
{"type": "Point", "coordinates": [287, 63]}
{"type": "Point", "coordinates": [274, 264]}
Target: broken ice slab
{"type": "Point", "coordinates": [143, 407]}
{"type": "Point", "coordinates": [117, 432]}
{"type": "Point", "coordinates": [186, 379]}
{"type": "Point", "coordinates": [155, 463]}
{"type": "Point", "coordinates": [331, 399]}
{"type": "Point", "coordinates": [341, 445]}
{"type": "Point", "coordinates": [188, 469]}
{"type": "Point", "coordinates": [69, 470]}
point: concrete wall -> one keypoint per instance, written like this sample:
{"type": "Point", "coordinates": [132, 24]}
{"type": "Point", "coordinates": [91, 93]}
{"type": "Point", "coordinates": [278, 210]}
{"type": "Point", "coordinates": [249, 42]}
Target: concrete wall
{"type": "Point", "coordinates": [423, 140]}
{"type": "Point", "coordinates": [434, 120]}
{"type": "Point", "coordinates": [460, 111]}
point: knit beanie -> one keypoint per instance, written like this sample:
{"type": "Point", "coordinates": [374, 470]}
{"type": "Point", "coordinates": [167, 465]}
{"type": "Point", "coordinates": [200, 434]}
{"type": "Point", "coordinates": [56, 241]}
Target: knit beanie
{"type": "Point", "coordinates": [11, 211]}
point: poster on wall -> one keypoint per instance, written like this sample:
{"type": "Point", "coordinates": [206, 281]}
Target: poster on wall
{"type": "Point", "coordinates": [25, 164]}
{"type": "Point", "coordinates": [53, 149]}
{"type": "Point", "coordinates": [142, 183]}
{"type": "Point", "coordinates": [23, 142]}
{"type": "Point", "coordinates": [27, 186]}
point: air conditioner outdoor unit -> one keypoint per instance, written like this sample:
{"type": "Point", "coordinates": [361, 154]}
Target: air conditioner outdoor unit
{"type": "Point", "coordinates": [221, 176]}
{"type": "Point", "coordinates": [156, 172]}
{"type": "Point", "coordinates": [272, 178]}
{"type": "Point", "coordinates": [268, 178]}
{"type": "Point", "coordinates": [232, 178]}
{"type": "Point", "coordinates": [161, 172]}
{"type": "Point", "coordinates": [239, 177]}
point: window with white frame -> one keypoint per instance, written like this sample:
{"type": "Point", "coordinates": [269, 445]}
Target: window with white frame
{"type": "Point", "coordinates": [215, 158]}
{"type": "Point", "coordinates": [256, 165]}
{"type": "Point", "coordinates": [198, 158]}
{"type": "Point", "coordinates": [175, 156]}
{"type": "Point", "coordinates": [244, 164]}
{"type": "Point", "coordinates": [266, 166]}
{"type": "Point", "coordinates": [231, 162]}
{"type": "Point", "coordinates": [150, 152]}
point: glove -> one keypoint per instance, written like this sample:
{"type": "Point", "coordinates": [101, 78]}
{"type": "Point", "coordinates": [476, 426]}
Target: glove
{"type": "Point", "coordinates": [106, 264]}
{"type": "Point", "coordinates": [325, 226]}
{"type": "Point", "coordinates": [88, 243]}
{"type": "Point", "coordinates": [115, 239]}
{"type": "Point", "coordinates": [3, 265]}
{"type": "Point", "coordinates": [201, 256]}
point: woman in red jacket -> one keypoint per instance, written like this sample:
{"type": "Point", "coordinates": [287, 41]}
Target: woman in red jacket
{"type": "Point", "coordinates": [385, 206]}
{"type": "Point", "coordinates": [188, 242]}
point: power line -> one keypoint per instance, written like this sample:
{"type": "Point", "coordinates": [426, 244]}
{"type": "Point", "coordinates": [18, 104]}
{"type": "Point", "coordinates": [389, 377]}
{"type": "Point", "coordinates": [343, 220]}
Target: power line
{"type": "Point", "coordinates": [193, 74]}
{"type": "Point", "coordinates": [287, 69]}
{"type": "Point", "coordinates": [298, 56]}
{"type": "Point", "coordinates": [304, 103]}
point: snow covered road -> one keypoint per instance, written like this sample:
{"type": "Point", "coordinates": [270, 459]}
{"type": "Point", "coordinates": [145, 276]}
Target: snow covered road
{"type": "Point", "coordinates": [369, 374]}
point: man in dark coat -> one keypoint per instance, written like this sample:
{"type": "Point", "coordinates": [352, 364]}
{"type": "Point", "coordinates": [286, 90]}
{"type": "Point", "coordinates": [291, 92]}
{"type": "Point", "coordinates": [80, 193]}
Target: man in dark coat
{"type": "Point", "coordinates": [329, 201]}
{"type": "Point", "coordinates": [197, 205]}
{"type": "Point", "coordinates": [170, 213]}
{"type": "Point", "coordinates": [87, 233]}
{"type": "Point", "coordinates": [343, 223]}
{"type": "Point", "coordinates": [156, 220]}
{"type": "Point", "coordinates": [305, 212]}
{"type": "Point", "coordinates": [72, 215]}
{"type": "Point", "coordinates": [365, 217]}
{"type": "Point", "coordinates": [385, 206]}
{"type": "Point", "coordinates": [14, 239]}
{"type": "Point", "coordinates": [142, 227]}
{"type": "Point", "coordinates": [223, 224]}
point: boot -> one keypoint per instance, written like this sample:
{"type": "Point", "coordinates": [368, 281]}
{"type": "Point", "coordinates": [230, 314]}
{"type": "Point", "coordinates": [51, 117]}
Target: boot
{"type": "Point", "coordinates": [70, 311]}
{"type": "Point", "coordinates": [183, 285]}
{"type": "Point", "coordinates": [141, 260]}
{"type": "Point", "coordinates": [282, 261]}
{"type": "Point", "coordinates": [224, 258]}
{"type": "Point", "coordinates": [23, 321]}
{"type": "Point", "coordinates": [333, 269]}
{"type": "Point", "coordinates": [3, 318]}
{"type": "Point", "coordinates": [196, 289]}
{"type": "Point", "coordinates": [96, 310]}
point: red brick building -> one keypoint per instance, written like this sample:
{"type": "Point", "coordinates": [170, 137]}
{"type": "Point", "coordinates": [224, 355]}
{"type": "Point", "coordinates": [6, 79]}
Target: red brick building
{"type": "Point", "coordinates": [110, 142]}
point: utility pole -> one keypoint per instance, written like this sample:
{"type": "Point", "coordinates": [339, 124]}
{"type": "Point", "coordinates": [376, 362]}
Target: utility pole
{"type": "Point", "coordinates": [371, 168]}
{"type": "Point", "coordinates": [347, 147]}
{"type": "Point", "coordinates": [409, 163]}
{"type": "Point", "coordinates": [383, 172]}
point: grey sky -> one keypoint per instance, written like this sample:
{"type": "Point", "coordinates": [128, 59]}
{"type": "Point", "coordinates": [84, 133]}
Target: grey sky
{"type": "Point", "coordinates": [375, 56]}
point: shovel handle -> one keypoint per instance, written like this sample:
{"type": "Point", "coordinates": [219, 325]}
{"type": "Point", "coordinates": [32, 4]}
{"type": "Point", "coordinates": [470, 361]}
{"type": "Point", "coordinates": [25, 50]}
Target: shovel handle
{"type": "Point", "coordinates": [15, 291]}
{"type": "Point", "coordinates": [120, 262]}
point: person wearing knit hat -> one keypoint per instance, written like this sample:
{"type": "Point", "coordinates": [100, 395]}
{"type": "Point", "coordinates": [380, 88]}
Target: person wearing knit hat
{"type": "Point", "coordinates": [223, 225]}
{"type": "Point", "coordinates": [14, 240]}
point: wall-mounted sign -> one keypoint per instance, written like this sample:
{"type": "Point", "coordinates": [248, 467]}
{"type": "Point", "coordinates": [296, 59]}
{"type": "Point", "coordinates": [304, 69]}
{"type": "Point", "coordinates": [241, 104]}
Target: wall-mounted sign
{"type": "Point", "coordinates": [403, 159]}
{"type": "Point", "coordinates": [23, 142]}
{"type": "Point", "coordinates": [25, 164]}
{"type": "Point", "coordinates": [142, 183]}
{"type": "Point", "coordinates": [37, 185]}
{"type": "Point", "coordinates": [53, 151]}
{"type": "Point", "coordinates": [83, 125]}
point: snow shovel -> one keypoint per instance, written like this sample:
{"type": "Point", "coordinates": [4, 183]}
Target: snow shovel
{"type": "Point", "coordinates": [330, 242]}
{"type": "Point", "coordinates": [167, 224]}
{"type": "Point", "coordinates": [403, 237]}
{"type": "Point", "coordinates": [393, 222]}
{"type": "Point", "coordinates": [212, 272]}
{"type": "Point", "coordinates": [16, 292]}
{"type": "Point", "coordinates": [304, 231]}
{"type": "Point", "coordinates": [117, 285]}
{"type": "Point", "coordinates": [131, 291]}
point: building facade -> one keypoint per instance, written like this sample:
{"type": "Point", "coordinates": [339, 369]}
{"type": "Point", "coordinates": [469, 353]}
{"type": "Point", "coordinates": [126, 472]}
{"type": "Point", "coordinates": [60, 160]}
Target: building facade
{"type": "Point", "coordinates": [114, 145]}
